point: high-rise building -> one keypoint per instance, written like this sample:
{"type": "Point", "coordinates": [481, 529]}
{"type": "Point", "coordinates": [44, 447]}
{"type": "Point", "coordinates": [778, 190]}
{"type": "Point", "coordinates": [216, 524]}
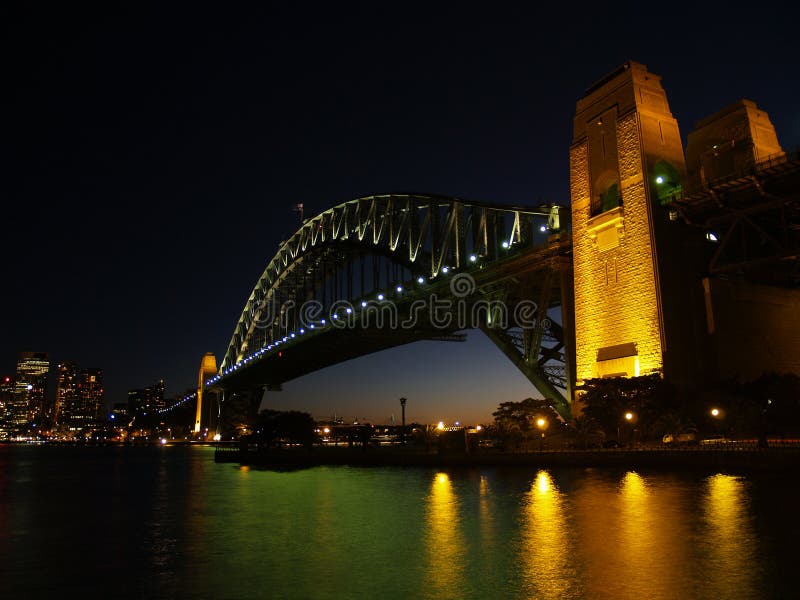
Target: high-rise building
{"type": "Point", "coordinates": [30, 394]}
{"type": "Point", "coordinates": [6, 399]}
{"type": "Point", "coordinates": [147, 400]}
{"type": "Point", "coordinates": [92, 395]}
{"type": "Point", "coordinates": [67, 400]}
{"type": "Point", "coordinates": [155, 396]}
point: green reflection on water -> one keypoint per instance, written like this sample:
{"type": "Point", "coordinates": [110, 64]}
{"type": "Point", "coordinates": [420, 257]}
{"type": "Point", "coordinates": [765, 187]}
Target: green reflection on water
{"type": "Point", "coordinates": [178, 525]}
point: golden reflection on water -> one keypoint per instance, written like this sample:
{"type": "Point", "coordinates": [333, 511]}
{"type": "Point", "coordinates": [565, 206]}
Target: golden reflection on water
{"type": "Point", "coordinates": [444, 543]}
{"type": "Point", "coordinates": [633, 537]}
{"type": "Point", "coordinates": [545, 544]}
{"type": "Point", "coordinates": [638, 530]}
{"type": "Point", "coordinates": [485, 508]}
{"type": "Point", "coordinates": [728, 539]}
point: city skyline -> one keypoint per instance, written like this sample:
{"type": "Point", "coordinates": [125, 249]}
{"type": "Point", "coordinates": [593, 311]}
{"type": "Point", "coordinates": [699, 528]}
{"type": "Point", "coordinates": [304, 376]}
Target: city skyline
{"type": "Point", "coordinates": [163, 187]}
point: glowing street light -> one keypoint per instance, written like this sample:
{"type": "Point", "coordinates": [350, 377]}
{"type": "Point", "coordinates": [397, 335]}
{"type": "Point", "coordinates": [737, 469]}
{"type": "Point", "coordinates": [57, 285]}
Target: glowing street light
{"type": "Point", "coordinates": [440, 426]}
{"type": "Point", "coordinates": [715, 412]}
{"type": "Point", "coordinates": [629, 416]}
{"type": "Point", "coordinates": [541, 423]}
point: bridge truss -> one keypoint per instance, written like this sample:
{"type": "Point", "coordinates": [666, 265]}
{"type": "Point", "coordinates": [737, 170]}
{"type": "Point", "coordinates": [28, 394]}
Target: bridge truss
{"type": "Point", "coordinates": [396, 250]}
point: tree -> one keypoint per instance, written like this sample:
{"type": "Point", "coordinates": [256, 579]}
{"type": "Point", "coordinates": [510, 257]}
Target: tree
{"type": "Point", "coordinates": [516, 420]}
{"type": "Point", "coordinates": [649, 397]}
{"type": "Point", "coordinates": [274, 427]}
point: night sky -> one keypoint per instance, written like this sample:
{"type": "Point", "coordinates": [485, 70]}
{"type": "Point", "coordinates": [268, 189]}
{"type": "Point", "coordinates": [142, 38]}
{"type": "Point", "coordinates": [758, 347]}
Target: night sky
{"type": "Point", "coordinates": [151, 160]}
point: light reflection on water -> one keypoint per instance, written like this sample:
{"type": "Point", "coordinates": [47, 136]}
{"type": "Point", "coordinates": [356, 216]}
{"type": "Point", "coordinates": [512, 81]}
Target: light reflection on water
{"type": "Point", "coordinates": [546, 550]}
{"type": "Point", "coordinates": [729, 542]}
{"type": "Point", "coordinates": [171, 523]}
{"type": "Point", "coordinates": [444, 542]}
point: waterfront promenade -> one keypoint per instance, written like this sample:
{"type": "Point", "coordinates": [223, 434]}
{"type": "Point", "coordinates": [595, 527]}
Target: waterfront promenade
{"type": "Point", "coordinates": [733, 457]}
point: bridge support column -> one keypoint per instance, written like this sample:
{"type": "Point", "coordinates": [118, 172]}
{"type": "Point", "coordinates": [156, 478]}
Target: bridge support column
{"type": "Point", "coordinates": [534, 374]}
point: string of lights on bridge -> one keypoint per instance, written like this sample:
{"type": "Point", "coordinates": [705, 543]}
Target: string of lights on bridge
{"type": "Point", "coordinates": [180, 402]}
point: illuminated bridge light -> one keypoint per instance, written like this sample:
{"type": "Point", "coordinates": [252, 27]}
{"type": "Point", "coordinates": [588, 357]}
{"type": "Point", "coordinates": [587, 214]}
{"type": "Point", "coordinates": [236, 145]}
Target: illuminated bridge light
{"type": "Point", "coordinates": [543, 228]}
{"type": "Point", "coordinates": [334, 316]}
{"type": "Point", "coordinates": [505, 244]}
{"type": "Point", "coordinates": [291, 335]}
{"type": "Point", "coordinates": [302, 331]}
{"type": "Point", "coordinates": [322, 321]}
{"type": "Point", "coordinates": [399, 289]}
{"type": "Point", "coordinates": [349, 310]}
{"type": "Point", "coordinates": [363, 304]}
{"type": "Point", "coordinates": [445, 269]}
{"type": "Point", "coordinates": [420, 280]}
{"type": "Point", "coordinates": [380, 296]}
{"type": "Point", "coordinates": [285, 338]}
{"type": "Point", "coordinates": [311, 326]}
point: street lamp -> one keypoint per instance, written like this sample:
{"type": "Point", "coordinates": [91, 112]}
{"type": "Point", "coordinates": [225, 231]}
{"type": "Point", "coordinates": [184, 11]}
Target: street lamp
{"type": "Point", "coordinates": [541, 423]}
{"type": "Point", "coordinates": [630, 418]}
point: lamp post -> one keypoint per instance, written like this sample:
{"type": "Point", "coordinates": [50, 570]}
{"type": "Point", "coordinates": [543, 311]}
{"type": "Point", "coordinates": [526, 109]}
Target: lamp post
{"type": "Point", "coordinates": [716, 415]}
{"type": "Point", "coordinates": [403, 421]}
{"type": "Point", "coordinates": [629, 416]}
{"type": "Point", "coordinates": [541, 423]}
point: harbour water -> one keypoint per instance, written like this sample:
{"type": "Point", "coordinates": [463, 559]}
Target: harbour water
{"type": "Point", "coordinates": [123, 522]}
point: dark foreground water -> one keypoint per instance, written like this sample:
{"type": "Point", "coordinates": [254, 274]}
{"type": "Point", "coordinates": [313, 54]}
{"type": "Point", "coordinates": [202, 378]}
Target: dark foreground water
{"type": "Point", "coordinates": [170, 523]}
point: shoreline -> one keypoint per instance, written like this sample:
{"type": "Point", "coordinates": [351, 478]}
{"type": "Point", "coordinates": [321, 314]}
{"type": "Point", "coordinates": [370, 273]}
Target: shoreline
{"type": "Point", "coordinates": [767, 459]}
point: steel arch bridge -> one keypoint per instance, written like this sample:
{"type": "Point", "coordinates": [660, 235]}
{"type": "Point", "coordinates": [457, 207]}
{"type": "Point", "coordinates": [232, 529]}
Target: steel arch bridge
{"type": "Point", "coordinates": [362, 276]}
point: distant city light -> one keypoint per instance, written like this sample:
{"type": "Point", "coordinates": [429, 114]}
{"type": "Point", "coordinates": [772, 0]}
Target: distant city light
{"type": "Point", "coordinates": [440, 425]}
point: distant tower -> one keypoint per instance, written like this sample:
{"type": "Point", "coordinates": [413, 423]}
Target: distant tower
{"type": "Point", "coordinates": [208, 368]}
{"type": "Point", "coordinates": [66, 393]}
{"type": "Point", "coordinates": [30, 395]}
{"type": "Point", "coordinates": [626, 167]}
{"type": "Point", "coordinates": [92, 396]}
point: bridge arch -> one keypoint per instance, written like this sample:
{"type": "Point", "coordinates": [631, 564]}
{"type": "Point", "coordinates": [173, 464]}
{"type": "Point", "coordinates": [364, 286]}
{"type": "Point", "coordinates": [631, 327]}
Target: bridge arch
{"type": "Point", "coordinates": [405, 241]}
